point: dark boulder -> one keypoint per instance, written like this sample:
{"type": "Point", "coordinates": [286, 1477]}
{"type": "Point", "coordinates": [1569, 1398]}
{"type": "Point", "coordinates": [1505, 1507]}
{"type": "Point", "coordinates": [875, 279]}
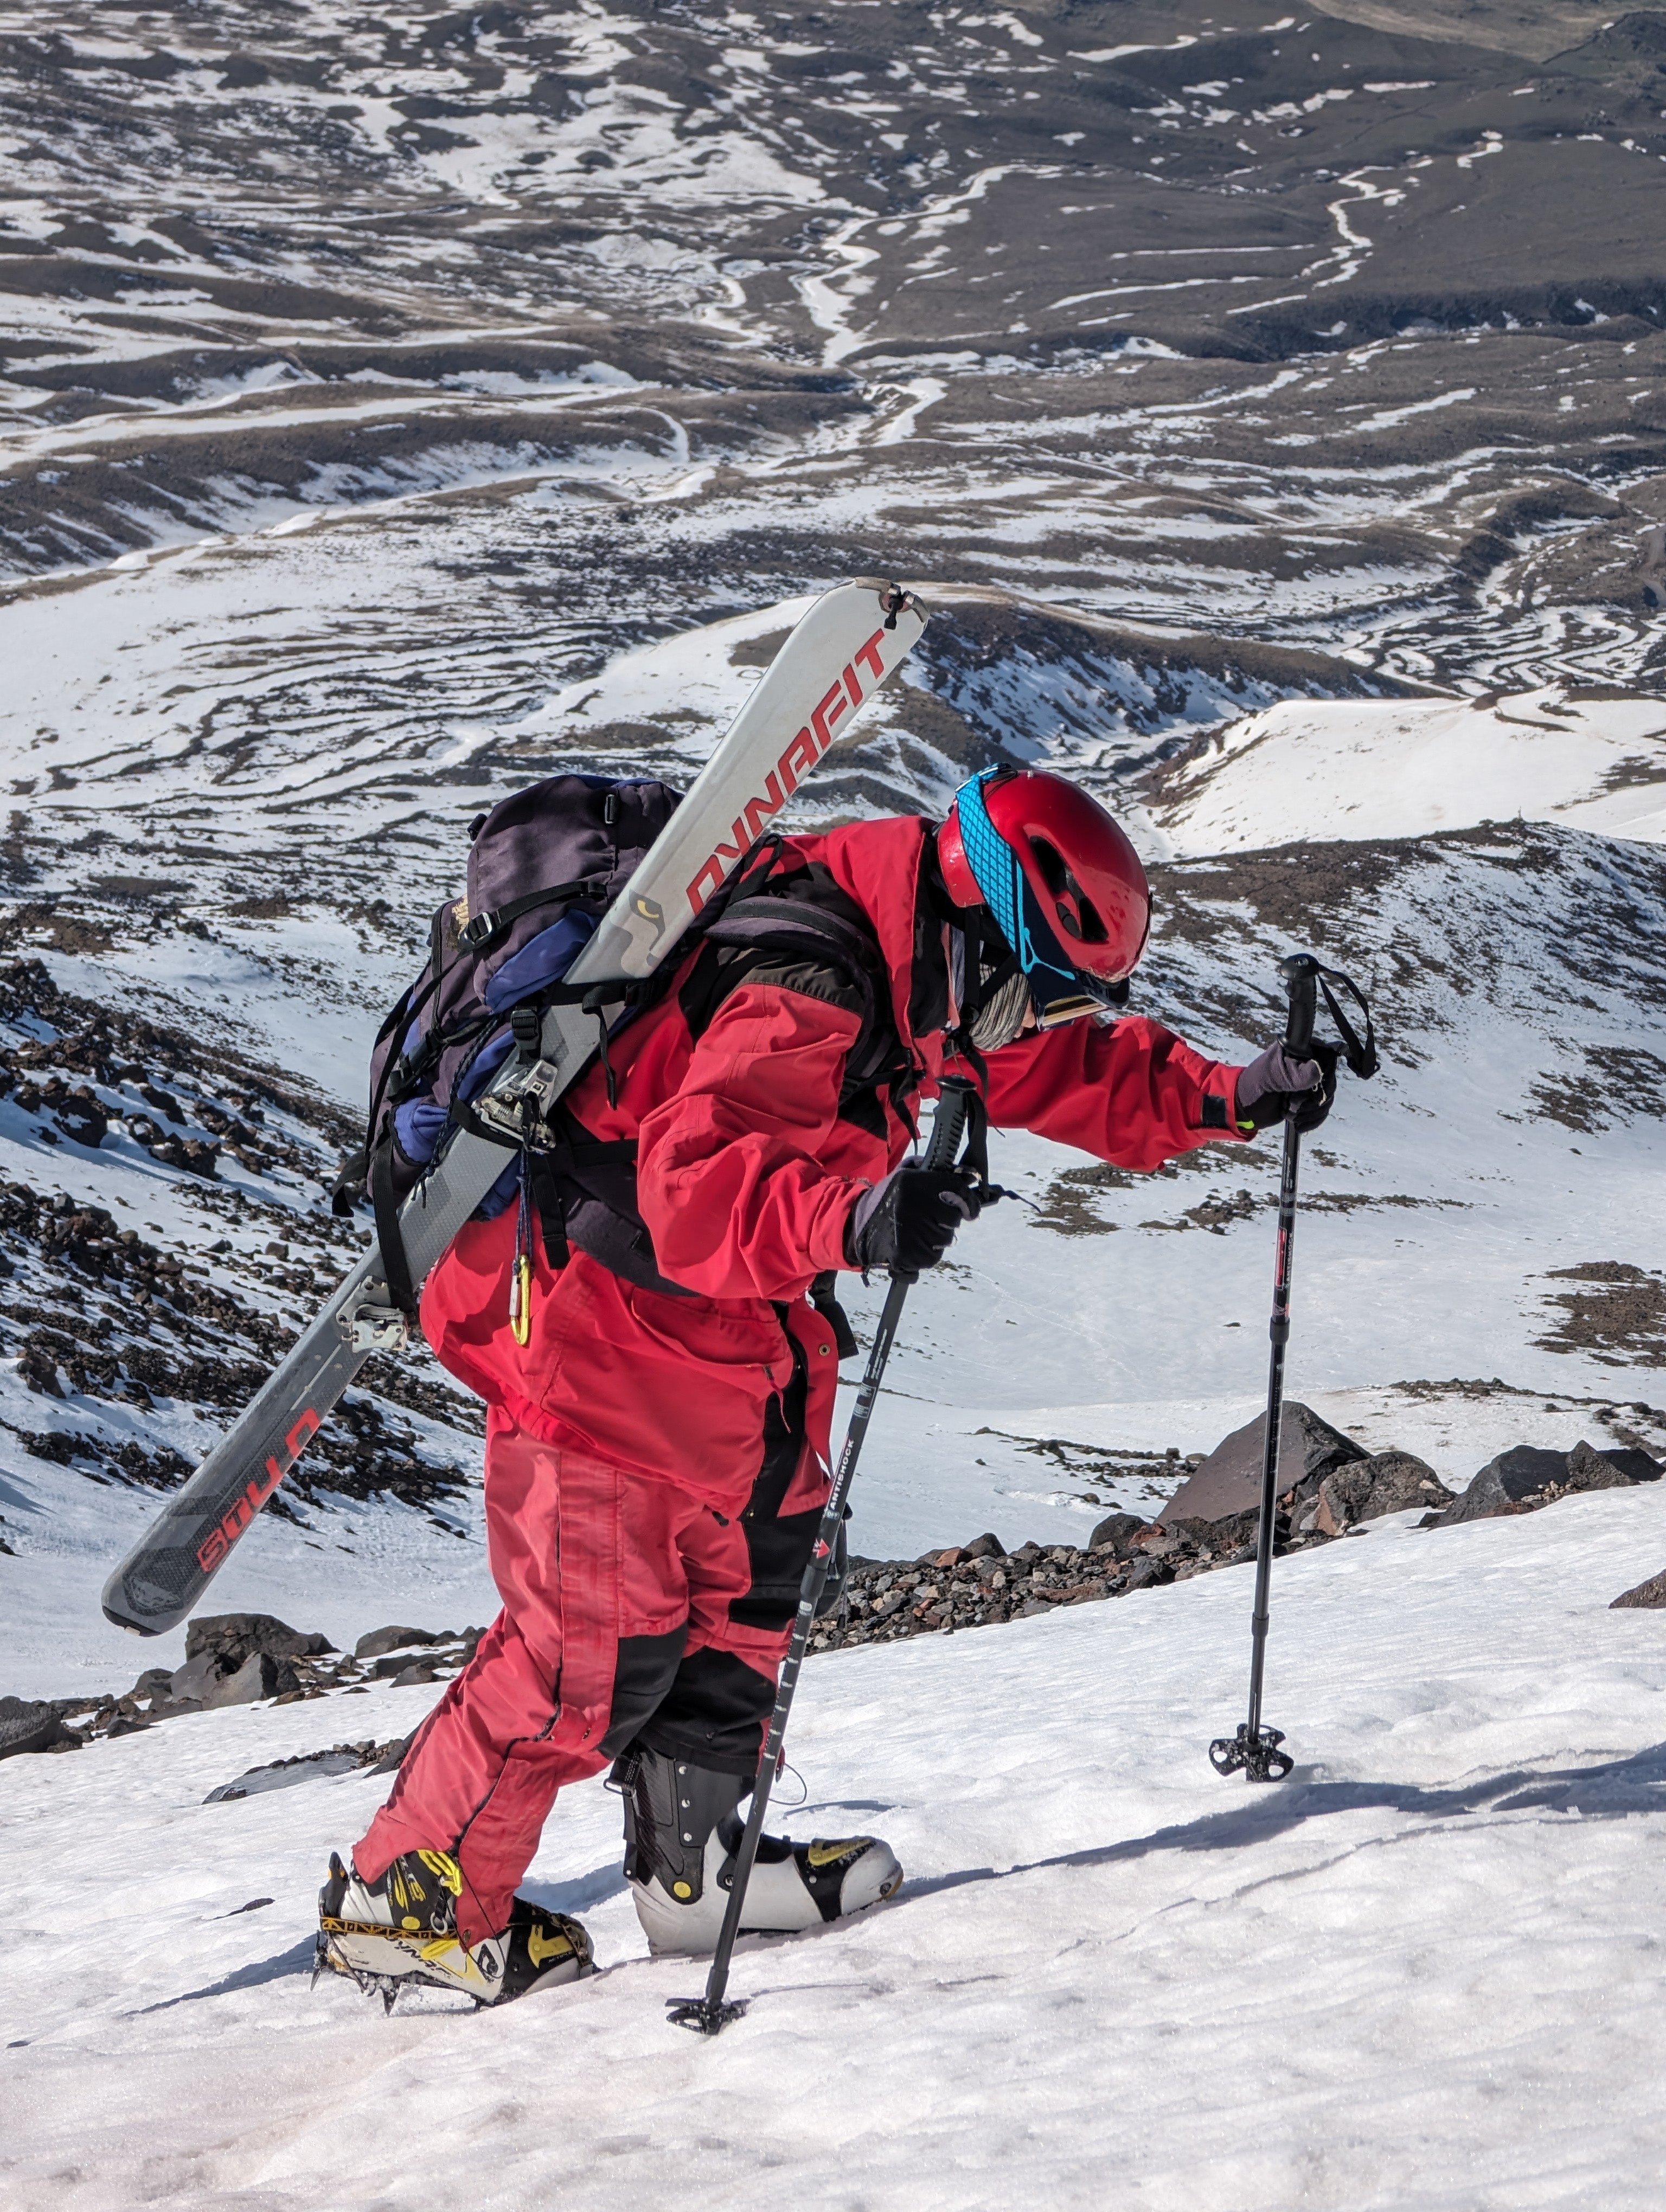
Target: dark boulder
{"type": "Point", "coordinates": [259, 1676]}
{"type": "Point", "coordinates": [1525, 1478]}
{"type": "Point", "coordinates": [986, 1546]}
{"type": "Point", "coordinates": [236, 1658]}
{"type": "Point", "coordinates": [392, 1664]}
{"type": "Point", "coordinates": [1118, 1530]}
{"type": "Point", "coordinates": [28, 1724]}
{"type": "Point", "coordinates": [379, 1641]}
{"type": "Point", "coordinates": [1229, 1480]}
{"type": "Point", "coordinates": [231, 1638]}
{"type": "Point", "coordinates": [204, 1682]}
{"type": "Point", "coordinates": [188, 1685]}
{"type": "Point", "coordinates": [1366, 1489]}
{"type": "Point", "coordinates": [1514, 1482]}
{"type": "Point", "coordinates": [1635, 1466]}
{"type": "Point", "coordinates": [1649, 1597]}
{"type": "Point", "coordinates": [1590, 1469]}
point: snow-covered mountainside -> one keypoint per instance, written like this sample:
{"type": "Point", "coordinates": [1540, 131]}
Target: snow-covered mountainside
{"type": "Point", "coordinates": [398, 407]}
{"type": "Point", "coordinates": [1421, 1973]}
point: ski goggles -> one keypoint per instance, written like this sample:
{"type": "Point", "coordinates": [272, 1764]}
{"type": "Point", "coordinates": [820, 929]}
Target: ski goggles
{"type": "Point", "coordinates": [1060, 991]}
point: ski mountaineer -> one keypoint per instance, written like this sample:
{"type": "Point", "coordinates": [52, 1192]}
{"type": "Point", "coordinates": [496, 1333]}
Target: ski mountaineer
{"type": "Point", "coordinates": [657, 1439]}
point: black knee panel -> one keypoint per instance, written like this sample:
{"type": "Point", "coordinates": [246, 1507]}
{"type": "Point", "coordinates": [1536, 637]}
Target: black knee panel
{"type": "Point", "coordinates": [671, 1808]}
{"type": "Point", "coordinates": [714, 1713]}
{"type": "Point", "coordinates": [643, 1672]}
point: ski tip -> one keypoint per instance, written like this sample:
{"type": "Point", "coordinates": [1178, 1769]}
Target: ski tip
{"type": "Point", "coordinates": [705, 2015]}
{"type": "Point", "coordinates": [118, 1618]}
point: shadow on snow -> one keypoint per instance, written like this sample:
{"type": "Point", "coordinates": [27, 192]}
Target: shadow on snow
{"type": "Point", "coordinates": [1613, 1790]}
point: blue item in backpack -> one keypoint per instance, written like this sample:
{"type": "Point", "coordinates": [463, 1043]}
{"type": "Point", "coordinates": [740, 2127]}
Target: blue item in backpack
{"type": "Point", "coordinates": [420, 1123]}
{"type": "Point", "coordinates": [543, 960]}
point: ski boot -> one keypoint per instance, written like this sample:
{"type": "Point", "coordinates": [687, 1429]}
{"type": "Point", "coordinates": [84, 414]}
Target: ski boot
{"type": "Point", "coordinates": [682, 1831]}
{"type": "Point", "coordinates": [402, 1929]}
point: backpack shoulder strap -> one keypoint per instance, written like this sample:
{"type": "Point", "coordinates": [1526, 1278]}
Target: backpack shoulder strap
{"type": "Point", "coordinates": [800, 928]}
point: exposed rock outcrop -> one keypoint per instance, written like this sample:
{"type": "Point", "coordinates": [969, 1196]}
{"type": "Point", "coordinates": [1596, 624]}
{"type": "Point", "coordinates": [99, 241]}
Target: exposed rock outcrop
{"type": "Point", "coordinates": [1525, 1478]}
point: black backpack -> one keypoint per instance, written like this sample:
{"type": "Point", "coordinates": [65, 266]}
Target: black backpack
{"type": "Point", "coordinates": [544, 867]}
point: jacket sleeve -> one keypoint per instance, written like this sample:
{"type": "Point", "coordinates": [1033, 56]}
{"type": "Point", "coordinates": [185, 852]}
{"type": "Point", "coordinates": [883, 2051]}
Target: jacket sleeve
{"type": "Point", "coordinates": [1135, 1094]}
{"type": "Point", "coordinates": [747, 1176]}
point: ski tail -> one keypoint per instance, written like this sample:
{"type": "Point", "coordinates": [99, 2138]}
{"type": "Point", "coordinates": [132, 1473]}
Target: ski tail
{"type": "Point", "coordinates": [841, 650]}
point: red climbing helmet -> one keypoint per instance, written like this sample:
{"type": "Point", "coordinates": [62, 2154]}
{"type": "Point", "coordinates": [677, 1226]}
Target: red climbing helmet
{"type": "Point", "coordinates": [1060, 879]}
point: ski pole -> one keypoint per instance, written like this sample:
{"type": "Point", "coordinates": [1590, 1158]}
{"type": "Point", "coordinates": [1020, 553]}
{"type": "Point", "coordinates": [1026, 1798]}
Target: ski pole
{"type": "Point", "coordinates": [1256, 1749]}
{"type": "Point", "coordinates": [711, 2014]}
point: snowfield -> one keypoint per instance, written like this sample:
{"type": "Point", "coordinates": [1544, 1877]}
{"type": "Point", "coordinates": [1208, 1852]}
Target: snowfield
{"type": "Point", "coordinates": [1404, 768]}
{"type": "Point", "coordinates": [1272, 425]}
{"type": "Point", "coordinates": [1424, 1973]}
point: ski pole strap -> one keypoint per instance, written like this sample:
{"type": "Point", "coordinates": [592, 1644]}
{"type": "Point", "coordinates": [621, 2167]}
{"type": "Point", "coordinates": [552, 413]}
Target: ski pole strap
{"type": "Point", "coordinates": [967, 1114]}
{"type": "Point", "coordinates": [960, 1110]}
{"type": "Point", "coordinates": [974, 1154]}
{"type": "Point", "coordinates": [1304, 974]}
{"type": "Point", "coordinates": [1360, 1054]}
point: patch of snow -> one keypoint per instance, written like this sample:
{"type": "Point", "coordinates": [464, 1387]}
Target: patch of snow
{"type": "Point", "coordinates": [1403, 767]}
{"type": "Point", "coordinates": [1104, 1960]}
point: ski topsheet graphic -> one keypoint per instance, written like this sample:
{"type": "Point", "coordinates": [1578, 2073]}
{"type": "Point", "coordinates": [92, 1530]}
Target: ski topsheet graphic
{"type": "Point", "coordinates": [850, 640]}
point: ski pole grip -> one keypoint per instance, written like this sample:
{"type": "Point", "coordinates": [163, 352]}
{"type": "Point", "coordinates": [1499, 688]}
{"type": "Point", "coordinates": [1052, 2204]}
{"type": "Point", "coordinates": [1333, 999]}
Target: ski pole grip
{"type": "Point", "coordinates": [950, 1124]}
{"type": "Point", "coordinates": [1301, 972]}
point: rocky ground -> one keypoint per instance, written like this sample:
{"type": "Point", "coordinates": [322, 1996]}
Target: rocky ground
{"type": "Point", "coordinates": [415, 365]}
{"type": "Point", "coordinates": [1336, 1490]}
{"type": "Point", "coordinates": [242, 1659]}
{"type": "Point", "coordinates": [96, 1315]}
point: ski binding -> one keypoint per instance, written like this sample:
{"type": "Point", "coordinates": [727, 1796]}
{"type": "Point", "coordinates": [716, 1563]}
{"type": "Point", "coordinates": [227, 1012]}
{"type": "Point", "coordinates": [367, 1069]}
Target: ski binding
{"type": "Point", "coordinates": [369, 1327]}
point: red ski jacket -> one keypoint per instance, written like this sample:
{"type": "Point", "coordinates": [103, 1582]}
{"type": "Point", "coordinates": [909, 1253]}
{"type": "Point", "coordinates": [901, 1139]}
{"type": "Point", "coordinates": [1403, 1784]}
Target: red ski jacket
{"type": "Point", "coordinates": [746, 1175]}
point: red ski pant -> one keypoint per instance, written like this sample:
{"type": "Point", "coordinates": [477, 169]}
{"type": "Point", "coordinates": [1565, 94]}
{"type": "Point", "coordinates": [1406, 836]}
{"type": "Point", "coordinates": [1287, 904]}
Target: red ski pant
{"type": "Point", "coordinates": [630, 1610]}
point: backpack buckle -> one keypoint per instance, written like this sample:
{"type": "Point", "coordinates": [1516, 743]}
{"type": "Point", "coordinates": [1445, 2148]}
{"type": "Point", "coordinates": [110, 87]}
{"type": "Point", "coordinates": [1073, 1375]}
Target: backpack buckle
{"type": "Point", "coordinates": [478, 930]}
{"type": "Point", "coordinates": [526, 1021]}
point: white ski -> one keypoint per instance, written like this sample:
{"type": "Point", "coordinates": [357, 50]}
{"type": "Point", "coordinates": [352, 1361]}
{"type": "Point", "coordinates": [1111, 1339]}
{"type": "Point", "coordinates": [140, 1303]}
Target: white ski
{"type": "Point", "coordinates": [847, 643]}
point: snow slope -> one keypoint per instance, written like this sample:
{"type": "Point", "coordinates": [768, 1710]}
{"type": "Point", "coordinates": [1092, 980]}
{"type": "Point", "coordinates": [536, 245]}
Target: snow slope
{"type": "Point", "coordinates": [1424, 1973]}
{"type": "Point", "coordinates": [398, 410]}
{"type": "Point", "coordinates": [1403, 768]}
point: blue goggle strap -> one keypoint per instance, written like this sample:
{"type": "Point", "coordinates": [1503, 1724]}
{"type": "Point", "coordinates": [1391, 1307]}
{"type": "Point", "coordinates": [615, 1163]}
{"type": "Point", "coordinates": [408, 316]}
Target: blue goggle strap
{"type": "Point", "coordinates": [997, 874]}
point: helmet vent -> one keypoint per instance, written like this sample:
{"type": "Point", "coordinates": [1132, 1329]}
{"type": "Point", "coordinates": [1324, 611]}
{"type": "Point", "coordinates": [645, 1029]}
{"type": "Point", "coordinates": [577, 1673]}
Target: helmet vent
{"type": "Point", "coordinates": [1077, 915]}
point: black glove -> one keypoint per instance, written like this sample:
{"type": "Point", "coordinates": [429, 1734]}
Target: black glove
{"type": "Point", "coordinates": [907, 1221]}
{"type": "Point", "coordinates": [1268, 1084]}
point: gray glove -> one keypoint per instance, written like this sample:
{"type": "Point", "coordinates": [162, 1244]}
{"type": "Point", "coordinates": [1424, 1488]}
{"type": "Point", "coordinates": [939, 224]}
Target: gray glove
{"type": "Point", "coordinates": [1267, 1087]}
